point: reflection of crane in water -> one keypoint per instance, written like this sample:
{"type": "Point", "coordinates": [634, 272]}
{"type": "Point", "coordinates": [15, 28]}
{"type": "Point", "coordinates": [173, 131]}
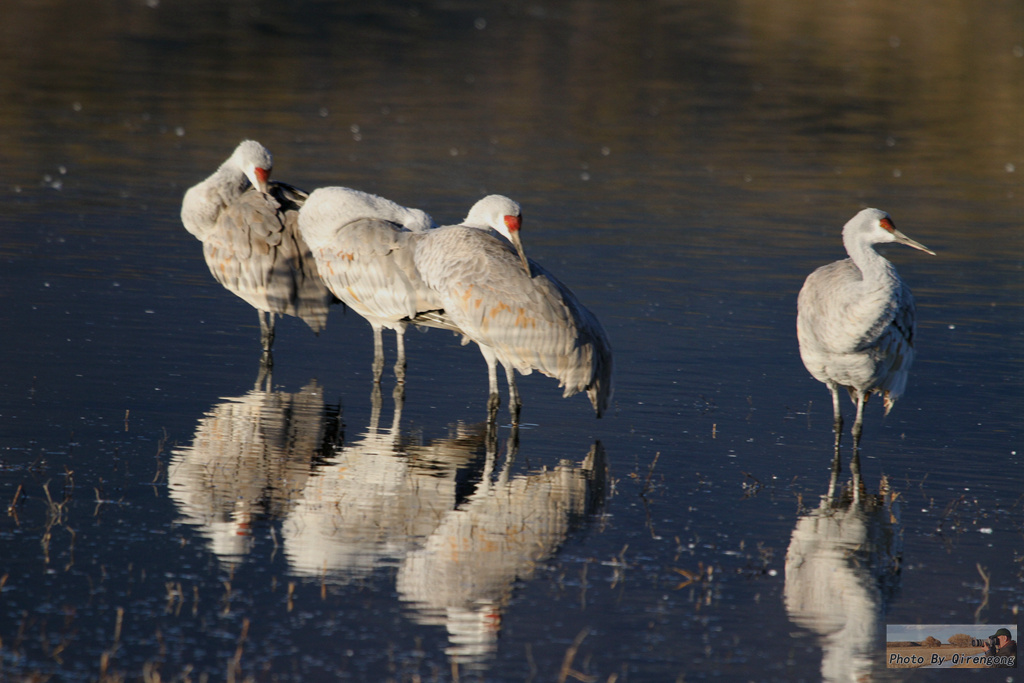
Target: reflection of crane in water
{"type": "Point", "coordinates": [249, 459]}
{"type": "Point", "coordinates": [462, 576]}
{"type": "Point", "coordinates": [363, 248]}
{"type": "Point", "coordinates": [517, 312]}
{"type": "Point", "coordinates": [855, 320]}
{"type": "Point", "coordinates": [842, 571]}
{"type": "Point", "coordinates": [249, 229]}
{"type": "Point", "coordinates": [377, 496]}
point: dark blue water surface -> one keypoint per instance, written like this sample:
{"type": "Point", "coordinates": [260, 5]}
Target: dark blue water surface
{"type": "Point", "coordinates": [682, 166]}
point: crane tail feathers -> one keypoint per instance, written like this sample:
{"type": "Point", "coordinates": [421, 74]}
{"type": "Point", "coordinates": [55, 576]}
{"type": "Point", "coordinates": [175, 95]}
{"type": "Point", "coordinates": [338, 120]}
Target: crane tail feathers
{"type": "Point", "coordinates": [600, 390]}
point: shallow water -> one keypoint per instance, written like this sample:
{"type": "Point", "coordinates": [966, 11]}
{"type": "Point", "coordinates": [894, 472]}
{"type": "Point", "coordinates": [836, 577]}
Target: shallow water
{"type": "Point", "coordinates": [682, 167]}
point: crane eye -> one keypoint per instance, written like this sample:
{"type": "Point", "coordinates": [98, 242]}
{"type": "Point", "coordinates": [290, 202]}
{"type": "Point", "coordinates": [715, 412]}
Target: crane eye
{"type": "Point", "coordinates": [887, 224]}
{"type": "Point", "coordinates": [512, 223]}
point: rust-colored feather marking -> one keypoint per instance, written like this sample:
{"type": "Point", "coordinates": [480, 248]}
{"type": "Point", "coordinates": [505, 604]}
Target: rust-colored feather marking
{"type": "Point", "coordinates": [497, 309]}
{"type": "Point", "coordinates": [524, 320]}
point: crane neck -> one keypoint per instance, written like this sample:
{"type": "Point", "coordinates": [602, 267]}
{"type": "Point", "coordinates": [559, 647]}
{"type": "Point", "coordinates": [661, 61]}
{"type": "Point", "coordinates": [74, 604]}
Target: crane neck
{"type": "Point", "coordinates": [230, 179]}
{"type": "Point", "coordinates": [874, 267]}
{"type": "Point", "coordinates": [204, 202]}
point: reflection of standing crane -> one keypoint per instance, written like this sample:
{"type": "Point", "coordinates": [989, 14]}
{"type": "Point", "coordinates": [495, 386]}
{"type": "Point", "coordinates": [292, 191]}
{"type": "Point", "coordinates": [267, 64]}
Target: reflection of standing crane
{"type": "Point", "coordinates": [377, 497]}
{"type": "Point", "coordinates": [842, 571]}
{"type": "Point", "coordinates": [363, 247]}
{"type": "Point", "coordinates": [249, 460]}
{"type": "Point", "coordinates": [855, 320]}
{"type": "Point", "coordinates": [463, 574]}
{"type": "Point", "coordinates": [516, 312]}
{"type": "Point", "coordinates": [249, 229]}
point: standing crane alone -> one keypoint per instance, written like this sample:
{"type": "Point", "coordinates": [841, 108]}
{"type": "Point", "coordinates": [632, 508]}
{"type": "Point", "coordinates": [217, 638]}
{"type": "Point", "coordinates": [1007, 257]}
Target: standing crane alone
{"type": "Point", "coordinates": [855, 320]}
{"type": "Point", "coordinates": [248, 225]}
{"type": "Point", "coordinates": [517, 313]}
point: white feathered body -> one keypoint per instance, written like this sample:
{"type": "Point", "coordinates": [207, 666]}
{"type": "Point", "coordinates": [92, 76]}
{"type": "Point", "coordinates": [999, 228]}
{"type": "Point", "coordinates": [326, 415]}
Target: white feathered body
{"type": "Point", "coordinates": [252, 245]}
{"type": "Point", "coordinates": [530, 323]}
{"type": "Point", "coordinates": [857, 332]}
{"type": "Point", "coordinates": [363, 248]}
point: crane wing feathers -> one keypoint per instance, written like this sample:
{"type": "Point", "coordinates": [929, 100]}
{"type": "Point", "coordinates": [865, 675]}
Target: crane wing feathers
{"type": "Point", "coordinates": [892, 348]}
{"type": "Point", "coordinates": [856, 334]}
{"type": "Point", "coordinates": [367, 265]}
{"type": "Point", "coordinates": [254, 220]}
{"type": "Point", "coordinates": [256, 252]}
{"type": "Point", "coordinates": [530, 323]}
{"type": "Point", "coordinates": [288, 196]}
{"type": "Point", "coordinates": [838, 312]}
{"type": "Point", "coordinates": [252, 245]}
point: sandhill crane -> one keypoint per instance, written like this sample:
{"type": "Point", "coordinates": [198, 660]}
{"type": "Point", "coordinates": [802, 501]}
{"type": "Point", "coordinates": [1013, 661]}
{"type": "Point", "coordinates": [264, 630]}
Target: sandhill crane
{"type": "Point", "coordinates": [516, 311]}
{"type": "Point", "coordinates": [855, 320]}
{"type": "Point", "coordinates": [249, 229]}
{"type": "Point", "coordinates": [362, 244]}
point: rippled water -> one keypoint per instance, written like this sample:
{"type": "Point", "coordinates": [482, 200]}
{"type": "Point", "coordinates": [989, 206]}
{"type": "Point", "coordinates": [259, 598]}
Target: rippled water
{"type": "Point", "coordinates": [682, 167]}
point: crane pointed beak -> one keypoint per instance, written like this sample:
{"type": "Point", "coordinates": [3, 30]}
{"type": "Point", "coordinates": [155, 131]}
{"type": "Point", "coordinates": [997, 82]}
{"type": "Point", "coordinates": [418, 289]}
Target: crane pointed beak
{"type": "Point", "coordinates": [903, 239]}
{"type": "Point", "coordinates": [518, 244]}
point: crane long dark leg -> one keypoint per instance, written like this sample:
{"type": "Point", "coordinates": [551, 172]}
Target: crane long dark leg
{"type": "Point", "coordinates": [375, 406]}
{"type": "Point", "coordinates": [266, 370]}
{"type": "Point", "coordinates": [400, 361]}
{"type": "Point", "coordinates": [493, 398]}
{"type": "Point", "coordinates": [837, 427]}
{"type": "Point", "coordinates": [858, 484]}
{"type": "Point", "coordinates": [858, 427]}
{"type": "Point", "coordinates": [398, 395]}
{"type": "Point", "coordinates": [378, 354]}
{"type": "Point", "coordinates": [266, 329]}
{"type": "Point", "coordinates": [515, 404]}
{"type": "Point", "coordinates": [511, 451]}
{"type": "Point", "coordinates": [837, 414]}
{"type": "Point", "coordinates": [858, 423]}
{"type": "Point", "coordinates": [833, 480]}
{"type": "Point", "coordinates": [265, 376]}
{"type": "Point", "coordinates": [491, 435]}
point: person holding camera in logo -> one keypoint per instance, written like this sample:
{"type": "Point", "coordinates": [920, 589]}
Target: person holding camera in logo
{"type": "Point", "coordinates": [1001, 646]}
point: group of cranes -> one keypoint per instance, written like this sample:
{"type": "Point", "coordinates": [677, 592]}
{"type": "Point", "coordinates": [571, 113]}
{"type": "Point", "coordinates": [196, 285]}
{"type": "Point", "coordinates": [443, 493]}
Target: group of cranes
{"type": "Point", "coordinates": [288, 252]}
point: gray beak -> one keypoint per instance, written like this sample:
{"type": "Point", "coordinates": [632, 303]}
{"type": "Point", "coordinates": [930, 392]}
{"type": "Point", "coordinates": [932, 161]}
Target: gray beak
{"type": "Point", "coordinates": [518, 244]}
{"type": "Point", "coordinates": [903, 239]}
